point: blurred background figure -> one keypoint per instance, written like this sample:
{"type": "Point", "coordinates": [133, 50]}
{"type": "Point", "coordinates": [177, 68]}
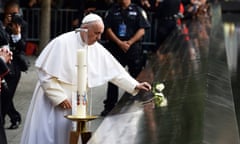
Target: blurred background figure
{"type": "Point", "coordinates": [194, 8]}
{"type": "Point", "coordinates": [15, 27]}
{"type": "Point", "coordinates": [2, 3]}
{"type": "Point", "coordinates": [167, 14]}
{"type": "Point", "coordinates": [86, 6]}
{"type": "Point", "coordinates": [5, 58]}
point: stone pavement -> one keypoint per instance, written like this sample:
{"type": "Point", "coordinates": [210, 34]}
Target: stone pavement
{"type": "Point", "coordinates": [23, 97]}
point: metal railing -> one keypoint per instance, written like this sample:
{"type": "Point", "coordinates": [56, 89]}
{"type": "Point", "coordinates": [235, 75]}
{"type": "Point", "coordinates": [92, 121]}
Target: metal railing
{"type": "Point", "coordinates": [61, 20]}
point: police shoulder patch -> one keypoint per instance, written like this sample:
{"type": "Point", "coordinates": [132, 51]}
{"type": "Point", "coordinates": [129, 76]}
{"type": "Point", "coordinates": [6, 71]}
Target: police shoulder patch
{"type": "Point", "coordinates": [144, 14]}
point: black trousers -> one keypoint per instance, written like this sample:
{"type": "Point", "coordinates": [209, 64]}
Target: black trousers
{"type": "Point", "coordinates": [8, 93]}
{"type": "Point", "coordinates": [3, 138]}
{"type": "Point", "coordinates": [133, 59]}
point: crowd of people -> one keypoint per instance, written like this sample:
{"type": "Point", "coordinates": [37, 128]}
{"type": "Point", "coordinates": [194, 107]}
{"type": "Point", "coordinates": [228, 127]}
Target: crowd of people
{"type": "Point", "coordinates": [123, 26]}
{"type": "Point", "coordinates": [68, 14]}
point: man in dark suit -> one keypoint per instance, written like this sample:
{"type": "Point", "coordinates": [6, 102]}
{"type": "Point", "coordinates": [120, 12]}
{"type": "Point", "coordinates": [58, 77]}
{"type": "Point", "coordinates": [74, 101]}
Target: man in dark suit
{"type": "Point", "coordinates": [16, 29]}
{"type": "Point", "coordinates": [5, 57]}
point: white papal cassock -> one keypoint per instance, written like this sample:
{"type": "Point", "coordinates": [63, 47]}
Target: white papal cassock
{"type": "Point", "coordinates": [45, 122]}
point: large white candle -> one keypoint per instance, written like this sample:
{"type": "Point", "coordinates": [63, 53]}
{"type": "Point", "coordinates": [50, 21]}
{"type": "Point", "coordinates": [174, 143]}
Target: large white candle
{"type": "Point", "coordinates": [81, 82]}
{"type": "Point", "coordinates": [82, 71]}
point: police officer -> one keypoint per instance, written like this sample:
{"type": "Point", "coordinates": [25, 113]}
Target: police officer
{"type": "Point", "coordinates": [125, 24]}
{"type": "Point", "coordinates": [167, 13]}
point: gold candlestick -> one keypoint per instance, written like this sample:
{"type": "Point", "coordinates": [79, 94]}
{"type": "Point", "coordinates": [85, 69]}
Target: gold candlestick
{"type": "Point", "coordinates": [81, 128]}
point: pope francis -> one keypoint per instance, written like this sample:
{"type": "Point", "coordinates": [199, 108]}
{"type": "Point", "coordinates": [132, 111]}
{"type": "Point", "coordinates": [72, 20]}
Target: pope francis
{"type": "Point", "coordinates": [45, 122]}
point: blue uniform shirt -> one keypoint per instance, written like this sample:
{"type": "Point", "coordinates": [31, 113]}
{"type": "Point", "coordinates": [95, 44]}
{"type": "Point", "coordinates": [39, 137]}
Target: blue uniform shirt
{"type": "Point", "coordinates": [126, 22]}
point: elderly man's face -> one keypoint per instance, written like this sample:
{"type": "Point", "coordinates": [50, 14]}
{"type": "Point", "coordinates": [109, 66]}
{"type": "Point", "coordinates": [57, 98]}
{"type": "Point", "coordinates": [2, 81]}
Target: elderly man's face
{"type": "Point", "coordinates": [94, 32]}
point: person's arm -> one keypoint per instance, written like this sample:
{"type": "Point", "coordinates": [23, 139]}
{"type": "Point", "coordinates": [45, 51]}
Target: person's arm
{"type": "Point", "coordinates": [17, 37]}
{"type": "Point", "coordinates": [122, 44]}
{"type": "Point", "coordinates": [111, 36]}
{"type": "Point", "coordinates": [5, 57]}
{"type": "Point", "coordinates": [137, 36]}
{"type": "Point", "coordinates": [125, 45]}
{"type": "Point", "coordinates": [145, 3]}
{"type": "Point", "coordinates": [53, 90]}
{"type": "Point", "coordinates": [129, 84]}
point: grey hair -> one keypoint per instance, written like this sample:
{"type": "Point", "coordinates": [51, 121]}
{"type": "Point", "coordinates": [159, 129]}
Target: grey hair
{"type": "Point", "coordinates": [91, 18]}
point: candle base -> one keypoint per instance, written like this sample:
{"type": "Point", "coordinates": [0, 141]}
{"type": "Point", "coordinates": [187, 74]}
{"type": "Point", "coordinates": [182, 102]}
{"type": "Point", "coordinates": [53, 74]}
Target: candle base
{"type": "Point", "coordinates": [81, 110]}
{"type": "Point", "coordinates": [80, 117]}
{"type": "Point", "coordinates": [81, 128]}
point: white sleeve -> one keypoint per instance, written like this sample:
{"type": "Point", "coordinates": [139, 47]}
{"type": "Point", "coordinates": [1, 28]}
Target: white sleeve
{"type": "Point", "coordinates": [16, 37]}
{"type": "Point", "coordinates": [126, 82]}
{"type": "Point", "coordinates": [52, 88]}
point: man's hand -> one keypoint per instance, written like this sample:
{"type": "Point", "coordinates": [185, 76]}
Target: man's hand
{"type": "Point", "coordinates": [65, 104]}
{"type": "Point", "coordinates": [124, 45]}
{"type": "Point", "coordinates": [144, 86]}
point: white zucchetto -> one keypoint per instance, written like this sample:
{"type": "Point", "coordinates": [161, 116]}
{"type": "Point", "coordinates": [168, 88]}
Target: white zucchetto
{"type": "Point", "coordinates": [91, 18]}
